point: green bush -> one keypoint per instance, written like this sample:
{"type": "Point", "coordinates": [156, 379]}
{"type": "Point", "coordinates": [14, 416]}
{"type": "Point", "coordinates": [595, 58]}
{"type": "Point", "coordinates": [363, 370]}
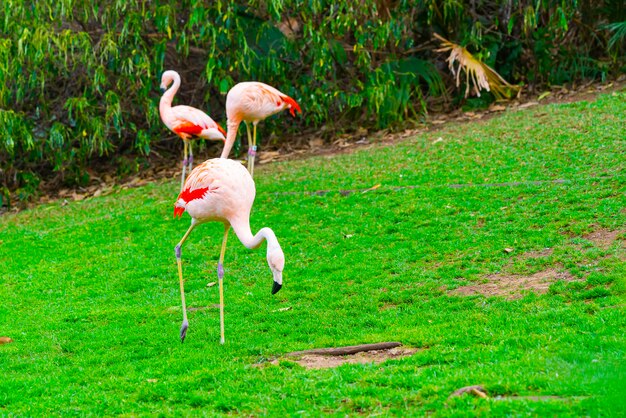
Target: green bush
{"type": "Point", "coordinates": [79, 78]}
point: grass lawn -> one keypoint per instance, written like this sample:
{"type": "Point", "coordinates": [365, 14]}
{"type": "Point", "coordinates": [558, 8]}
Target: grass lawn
{"type": "Point", "coordinates": [89, 291]}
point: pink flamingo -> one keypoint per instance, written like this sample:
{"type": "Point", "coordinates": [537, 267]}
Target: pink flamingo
{"type": "Point", "coordinates": [222, 190]}
{"type": "Point", "coordinates": [185, 121]}
{"type": "Point", "coordinates": [252, 101]}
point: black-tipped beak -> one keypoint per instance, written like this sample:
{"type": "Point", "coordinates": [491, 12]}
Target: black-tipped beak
{"type": "Point", "coordinates": [163, 89]}
{"type": "Point", "coordinates": [276, 288]}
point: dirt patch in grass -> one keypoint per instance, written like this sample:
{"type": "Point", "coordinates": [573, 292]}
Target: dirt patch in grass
{"type": "Point", "coordinates": [316, 361]}
{"type": "Point", "coordinates": [387, 306]}
{"type": "Point", "coordinates": [512, 286]}
{"type": "Point", "coordinates": [546, 252]}
{"type": "Point", "coordinates": [602, 238]}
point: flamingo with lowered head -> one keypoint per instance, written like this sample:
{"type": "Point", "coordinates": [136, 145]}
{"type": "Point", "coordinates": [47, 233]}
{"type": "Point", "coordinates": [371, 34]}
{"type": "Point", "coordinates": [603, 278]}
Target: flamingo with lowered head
{"type": "Point", "coordinates": [252, 101]}
{"type": "Point", "coordinates": [185, 121]}
{"type": "Point", "coordinates": [222, 190]}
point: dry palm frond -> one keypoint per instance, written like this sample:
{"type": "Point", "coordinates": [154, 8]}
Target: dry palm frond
{"type": "Point", "coordinates": [480, 74]}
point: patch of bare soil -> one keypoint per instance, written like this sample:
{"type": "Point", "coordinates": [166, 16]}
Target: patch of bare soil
{"type": "Point", "coordinates": [512, 286]}
{"type": "Point", "coordinates": [546, 252]}
{"type": "Point", "coordinates": [602, 238]}
{"type": "Point", "coordinates": [318, 361]}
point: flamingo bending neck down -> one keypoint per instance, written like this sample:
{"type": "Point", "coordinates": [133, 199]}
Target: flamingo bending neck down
{"type": "Point", "coordinates": [252, 101]}
{"type": "Point", "coordinates": [185, 121]}
{"type": "Point", "coordinates": [222, 190]}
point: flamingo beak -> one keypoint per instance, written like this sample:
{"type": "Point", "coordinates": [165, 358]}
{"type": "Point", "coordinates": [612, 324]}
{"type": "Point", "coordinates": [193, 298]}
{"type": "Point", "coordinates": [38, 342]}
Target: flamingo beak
{"type": "Point", "coordinates": [277, 286]}
{"type": "Point", "coordinates": [163, 89]}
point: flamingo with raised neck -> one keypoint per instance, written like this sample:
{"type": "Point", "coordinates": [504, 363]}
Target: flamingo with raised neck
{"type": "Point", "coordinates": [185, 121]}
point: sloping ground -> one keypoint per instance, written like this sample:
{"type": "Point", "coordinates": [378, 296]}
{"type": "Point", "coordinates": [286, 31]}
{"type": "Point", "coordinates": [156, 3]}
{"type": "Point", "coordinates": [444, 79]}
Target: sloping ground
{"type": "Point", "coordinates": [377, 244]}
{"type": "Point", "coordinates": [166, 167]}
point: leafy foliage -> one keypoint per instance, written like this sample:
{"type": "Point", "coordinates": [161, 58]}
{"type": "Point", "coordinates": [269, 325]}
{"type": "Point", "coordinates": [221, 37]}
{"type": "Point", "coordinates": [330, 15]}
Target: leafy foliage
{"type": "Point", "coordinates": [619, 34]}
{"type": "Point", "coordinates": [79, 78]}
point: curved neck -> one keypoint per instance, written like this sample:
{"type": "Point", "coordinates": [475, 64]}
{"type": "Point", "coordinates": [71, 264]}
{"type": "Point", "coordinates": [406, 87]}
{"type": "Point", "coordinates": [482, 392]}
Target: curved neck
{"type": "Point", "coordinates": [231, 136]}
{"type": "Point", "coordinates": [168, 96]}
{"type": "Point", "coordinates": [242, 229]}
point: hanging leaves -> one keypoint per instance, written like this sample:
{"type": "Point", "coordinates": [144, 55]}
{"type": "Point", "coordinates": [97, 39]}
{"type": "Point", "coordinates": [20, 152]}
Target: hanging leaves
{"type": "Point", "coordinates": [79, 78]}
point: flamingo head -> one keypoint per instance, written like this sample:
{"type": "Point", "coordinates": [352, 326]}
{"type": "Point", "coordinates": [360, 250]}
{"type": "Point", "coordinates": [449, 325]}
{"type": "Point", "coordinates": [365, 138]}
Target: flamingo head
{"type": "Point", "coordinates": [167, 78]}
{"type": "Point", "coordinates": [276, 261]}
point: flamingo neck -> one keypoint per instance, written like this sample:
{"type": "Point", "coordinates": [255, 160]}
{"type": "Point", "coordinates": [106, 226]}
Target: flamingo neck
{"type": "Point", "coordinates": [242, 229]}
{"type": "Point", "coordinates": [231, 135]}
{"type": "Point", "coordinates": [168, 96]}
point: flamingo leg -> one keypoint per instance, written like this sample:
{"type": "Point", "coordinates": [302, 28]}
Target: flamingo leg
{"type": "Point", "coordinates": [220, 277]}
{"type": "Point", "coordinates": [190, 159]}
{"type": "Point", "coordinates": [253, 153]}
{"type": "Point", "coordinates": [251, 148]}
{"type": "Point", "coordinates": [178, 252]}
{"type": "Point", "coordinates": [182, 178]}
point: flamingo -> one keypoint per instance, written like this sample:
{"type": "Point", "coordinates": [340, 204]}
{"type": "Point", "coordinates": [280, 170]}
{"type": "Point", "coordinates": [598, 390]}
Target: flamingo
{"type": "Point", "coordinates": [222, 190]}
{"type": "Point", "coordinates": [252, 101]}
{"type": "Point", "coordinates": [185, 121]}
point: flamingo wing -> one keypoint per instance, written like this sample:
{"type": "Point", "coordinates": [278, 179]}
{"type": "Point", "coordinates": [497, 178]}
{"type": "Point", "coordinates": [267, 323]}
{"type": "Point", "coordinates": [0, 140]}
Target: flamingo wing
{"type": "Point", "coordinates": [198, 184]}
{"type": "Point", "coordinates": [278, 99]}
{"type": "Point", "coordinates": [193, 121]}
{"type": "Point", "coordinates": [267, 99]}
{"type": "Point", "coordinates": [254, 101]}
{"type": "Point", "coordinates": [216, 190]}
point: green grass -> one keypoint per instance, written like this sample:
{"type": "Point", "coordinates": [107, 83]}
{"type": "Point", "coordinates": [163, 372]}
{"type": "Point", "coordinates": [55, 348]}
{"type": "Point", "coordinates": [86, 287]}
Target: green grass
{"type": "Point", "coordinates": [89, 291]}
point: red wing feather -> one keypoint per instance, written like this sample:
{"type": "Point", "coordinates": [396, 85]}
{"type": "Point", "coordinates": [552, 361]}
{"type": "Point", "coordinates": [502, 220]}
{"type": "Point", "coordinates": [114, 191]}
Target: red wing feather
{"type": "Point", "coordinates": [187, 196]}
{"type": "Point", "coordinates": [188, 128]}
{"type": "Point", "coordinates": [295, 107]}
{"type": "Point", "coordinates": [178, 211]}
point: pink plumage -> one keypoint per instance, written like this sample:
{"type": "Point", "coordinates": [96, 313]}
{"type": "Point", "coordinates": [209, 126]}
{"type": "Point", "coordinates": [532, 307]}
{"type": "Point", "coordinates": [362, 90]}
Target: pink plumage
{"type": "Point", "coordinates": [185, 121]}
{"type": "Point", "coordinates": [222, 190]}
{"type": "Point", "coordinates": [251, 102]}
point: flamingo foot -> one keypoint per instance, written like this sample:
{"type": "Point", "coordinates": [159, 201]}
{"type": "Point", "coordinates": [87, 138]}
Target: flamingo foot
{"type": "Point", "coordinates": [183, 331]}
